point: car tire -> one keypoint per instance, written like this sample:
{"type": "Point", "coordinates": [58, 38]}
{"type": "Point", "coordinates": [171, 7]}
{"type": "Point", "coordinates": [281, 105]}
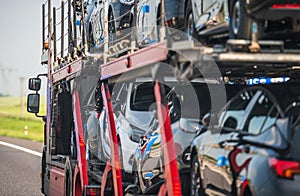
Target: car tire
{"type": "Point", "coordinates": [68, 177]}
{"type": "Point", "coordinates": [240, 23]}
{"type": "Point", "coordinates": [244, 31]}
{"type": "Point", "coordinates": [189, 24]}
{"type": "Point", "coordinates": [109, 187]}
{"type": "Point", "coordinates": [111, 28]}
{"type": "Point", "coordinates": [195, 178]}
{"type": "Point", "coordinates": [185, 183]}
{"type": "Point", "coordinates": [135, 175]}
{"type": "Point", "coordinates": [43, 169]}
{"type": "Point", "coordinates": [90, 35]}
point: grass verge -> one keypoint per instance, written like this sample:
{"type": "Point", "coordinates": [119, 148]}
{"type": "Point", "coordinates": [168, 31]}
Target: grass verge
{"type": "Point", "coordinates": [13, 122]}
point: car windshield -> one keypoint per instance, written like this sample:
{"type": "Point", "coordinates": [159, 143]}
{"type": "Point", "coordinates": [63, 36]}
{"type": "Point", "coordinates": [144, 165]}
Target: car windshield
{"type": "Point", "coordinates": [142, 97]}
{"type": "Point", "coordinates": [233, 114]}
{"type": "Point", "coordinates": [287, 97]}
{"type": "Point", "coordinates": [194, 97]}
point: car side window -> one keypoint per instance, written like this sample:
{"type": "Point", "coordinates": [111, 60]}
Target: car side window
{"type": "Point", "coordinates": [262, 116]}
{"type": "Point", "coordinates": [233, 115]}
{"type": "Point", "coordinates": [142, 96]}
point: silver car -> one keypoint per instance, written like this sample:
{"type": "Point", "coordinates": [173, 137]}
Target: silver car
{"type": "Point", "coordinates": [189, 16]}
{"type": "Point", "coordinates": [132, 112]}
{"type": "Point", "coordinates": [118, 17]}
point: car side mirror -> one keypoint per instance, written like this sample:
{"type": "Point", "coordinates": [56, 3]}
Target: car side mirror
{"type": "Point", "coordinates": [186, 126]}
{"type": "Point", "coordinates": [33, 103]}
{"type": "Point", "coordinates": [209, 119]}
{"type": "Point", "coordinates": [206, 119]}
{"type": "Point", "coordinates": [34, 84]}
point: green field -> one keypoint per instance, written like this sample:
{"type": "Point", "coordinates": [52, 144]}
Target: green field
{"type": "Point", "coordinates": [14, 119]}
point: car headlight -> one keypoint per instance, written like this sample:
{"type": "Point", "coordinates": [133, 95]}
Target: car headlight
{"type": "Point", "coordinates": [135, 135]}
{"type": "Point", "coordinates": [127, 2]}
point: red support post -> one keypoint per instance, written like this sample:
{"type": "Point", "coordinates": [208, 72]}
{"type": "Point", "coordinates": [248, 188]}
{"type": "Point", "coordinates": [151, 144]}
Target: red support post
{"type": "Point", "coordinates": [104, 177]}
{"type": "Point", "coordinates": [170, 162]}
{"type": "Point", "coordinates": [115, 163]}
{"type": "Point", "coordinates": [80, 143]}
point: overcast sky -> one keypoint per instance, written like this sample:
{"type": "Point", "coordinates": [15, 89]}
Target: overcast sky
{"type": "Point", "coordinates": [20, 43]}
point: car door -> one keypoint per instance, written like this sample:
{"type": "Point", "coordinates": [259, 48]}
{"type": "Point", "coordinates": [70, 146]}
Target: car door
{"type": "Point", "coordinates": [97, 23]}
{"type": "Point", "coordinates": [214, 166]}
{"type": "Point", "coordinates": [259, 122]}
{"type": "Point", "coordinates": [205, 10]}
{"type": "Point", "coordinates": [140, 19]}
{"type": "Point", "coordinates": [266, 125]}
{"type": "Point", "coordinates": [146, 20]}
{"type": "Point", "coordinates": [151, 20]}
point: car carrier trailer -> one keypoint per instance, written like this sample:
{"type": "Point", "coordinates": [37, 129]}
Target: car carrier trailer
{"type": "Point", "coordinates": [74, 72]}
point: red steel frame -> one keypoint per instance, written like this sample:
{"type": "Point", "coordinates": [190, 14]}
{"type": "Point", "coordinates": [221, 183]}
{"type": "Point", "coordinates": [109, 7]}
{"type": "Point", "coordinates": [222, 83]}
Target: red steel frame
{"type": "Point", "coordinates": [151, 54]}
{"type": "Point", "coordinates": [114, 165]}
{"type": "Point", "coordinates": [141, 58]}
{"type": "Point", "coordinates": [170, 162]}
{"type": "Point", "coordinates": [81, 158]}
{"type": "Point", "coordinates": [66, 71]}
{"type": "Point", "coordinates": [81, 168]}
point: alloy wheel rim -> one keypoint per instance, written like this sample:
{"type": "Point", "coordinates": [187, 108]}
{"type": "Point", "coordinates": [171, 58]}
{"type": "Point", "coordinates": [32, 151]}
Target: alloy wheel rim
{"type": "Point", "coordinates": [190, 27]}
{"type": "Point", "coordinates": [236, 17]}
{"type": "Point", "coordinates": [195, 179]}
{"type": "Point", "coordinates": [111, 27]}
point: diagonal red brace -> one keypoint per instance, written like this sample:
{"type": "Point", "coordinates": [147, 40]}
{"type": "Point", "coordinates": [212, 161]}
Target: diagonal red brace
{"type": "Point", "coordinates": [115, 157]}
{"type": "Point", "coordinates": [170, 162]}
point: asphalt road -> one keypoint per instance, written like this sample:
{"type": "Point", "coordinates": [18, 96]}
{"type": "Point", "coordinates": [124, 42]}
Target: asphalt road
{"type": "Point", "coordinates": [19, 171]}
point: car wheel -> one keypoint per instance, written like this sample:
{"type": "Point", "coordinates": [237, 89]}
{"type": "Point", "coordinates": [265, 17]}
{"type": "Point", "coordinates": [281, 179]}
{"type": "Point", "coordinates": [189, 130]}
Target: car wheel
{"type": "Point", "coordinates": [109, 187]}
{"type": "Point", "coordinates": [185, 184]}
{"type": "Point", "coordinates": [68, 184]}
{"type": "Point", "coordinates": [240, 22]}
{"type": "Point", "coordinates": [189, 25]}
{"type": "Point", "coordinates": [111, 28]}
{"type": "Point", "coordinates": [135, 175]}
{"type": "Point", "coordinates": [90, 35]}
{"type": "Point", "coordinates": [196, 183]}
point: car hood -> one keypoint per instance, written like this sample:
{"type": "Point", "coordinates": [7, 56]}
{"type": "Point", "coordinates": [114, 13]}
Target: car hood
{"type": "Point", "coordinates": [140, 120]}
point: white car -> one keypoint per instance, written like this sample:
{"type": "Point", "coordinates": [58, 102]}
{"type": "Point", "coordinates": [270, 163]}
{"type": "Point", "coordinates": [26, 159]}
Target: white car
{"type": "Point", "coordinates": [132, 113]}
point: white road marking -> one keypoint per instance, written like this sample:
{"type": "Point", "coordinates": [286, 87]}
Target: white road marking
{"type": "Point", "coordinates": [21, 148]}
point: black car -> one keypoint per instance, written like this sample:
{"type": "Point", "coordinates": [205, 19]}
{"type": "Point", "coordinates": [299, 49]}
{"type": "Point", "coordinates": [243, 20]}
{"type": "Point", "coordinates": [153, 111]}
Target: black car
{"type": "Point", "coordinates": [252, 146]}
{"type": "Point", "coordinates": [269, 17]}
{"type": "Point", "coordinates": [218, 19]}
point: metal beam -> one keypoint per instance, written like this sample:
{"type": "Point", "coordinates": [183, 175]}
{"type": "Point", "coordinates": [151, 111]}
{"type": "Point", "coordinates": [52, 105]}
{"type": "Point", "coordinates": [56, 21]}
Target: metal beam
{"type": "Point", "coordinates": [146, 56]}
